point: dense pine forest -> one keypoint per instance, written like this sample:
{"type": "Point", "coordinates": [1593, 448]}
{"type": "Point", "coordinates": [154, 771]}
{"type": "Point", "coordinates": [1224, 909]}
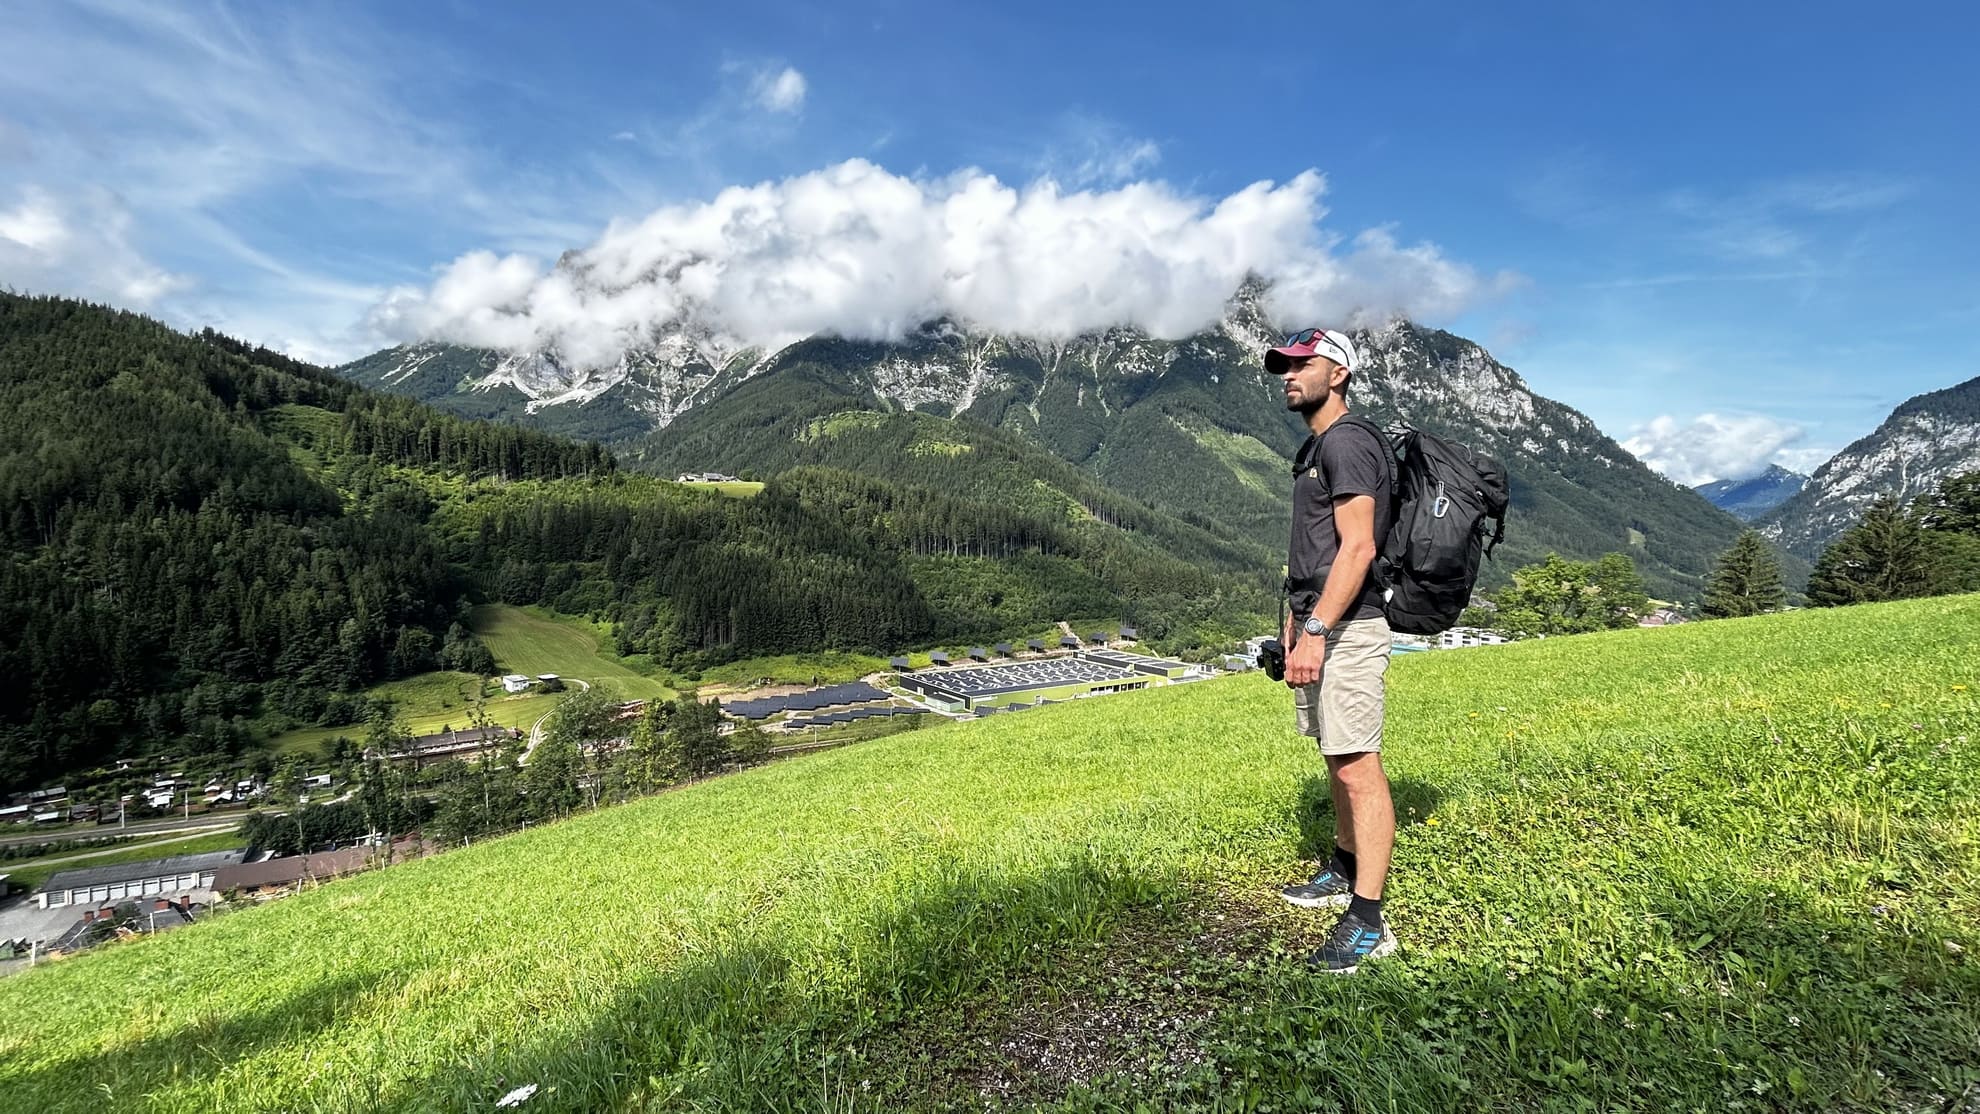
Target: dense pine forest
{"type": "Point", "coordinates": [198, 535]}
{"type": "Point", "coordinates": [170, 567]}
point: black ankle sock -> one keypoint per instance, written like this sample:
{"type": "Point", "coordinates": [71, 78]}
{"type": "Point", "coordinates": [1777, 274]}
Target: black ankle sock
{"type": "Point", "coordinates": [1343, 863]}
{"type": "Point", "coordinates": [1368, 909]}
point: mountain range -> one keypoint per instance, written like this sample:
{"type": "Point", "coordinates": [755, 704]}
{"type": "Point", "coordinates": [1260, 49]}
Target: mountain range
{"type": "Point", "coordinates": [1187, 426]}
{"type": "Point", "coordinates": [1756, 495]}
{"type": "Point", "coordinates": [1926, 439]}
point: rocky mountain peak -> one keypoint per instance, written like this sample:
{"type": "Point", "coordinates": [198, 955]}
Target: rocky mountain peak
{"type": "Point", "coordinates": [1927, 438]}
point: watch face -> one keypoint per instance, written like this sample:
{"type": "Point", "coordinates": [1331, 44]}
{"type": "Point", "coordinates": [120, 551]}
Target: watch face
{"type": "Point", "coordinates": [1315, 626]}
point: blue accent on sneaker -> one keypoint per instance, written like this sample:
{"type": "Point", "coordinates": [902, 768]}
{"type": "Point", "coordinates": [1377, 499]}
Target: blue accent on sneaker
{"type": "Point", "coordinates": [1329, 889]}
{"type": "Point", "coordinates": [1352, 942]}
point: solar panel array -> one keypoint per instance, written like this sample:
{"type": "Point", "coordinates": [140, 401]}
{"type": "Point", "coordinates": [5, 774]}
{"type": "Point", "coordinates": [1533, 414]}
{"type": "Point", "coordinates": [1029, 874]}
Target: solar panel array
{"type": "Point", "coordinates": [1127, 660]}
{"type": "Point", "coordinates": [991, 679]}
{"type": "Point", "coordinates": [808, 701]}
{"type": "Point", "coordinates": [830, 718]}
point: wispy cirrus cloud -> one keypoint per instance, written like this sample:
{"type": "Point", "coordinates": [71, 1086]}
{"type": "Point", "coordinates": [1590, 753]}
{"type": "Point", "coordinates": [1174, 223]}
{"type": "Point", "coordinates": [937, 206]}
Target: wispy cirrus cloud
{"type": "Point", "coordinates": [174, 144]}
{"type": "Point", "coordinates": [1771, 230]}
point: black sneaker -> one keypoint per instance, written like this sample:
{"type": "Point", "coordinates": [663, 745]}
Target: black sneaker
{"type": "Point", "coordinates": [1352, 941]}
{"type": "Point", "coordinates": [1328, 890]}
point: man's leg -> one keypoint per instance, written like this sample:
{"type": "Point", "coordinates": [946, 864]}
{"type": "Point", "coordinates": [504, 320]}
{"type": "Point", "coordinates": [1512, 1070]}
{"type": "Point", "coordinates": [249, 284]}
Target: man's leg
{"type": "Point", "coordinates": [1331, 887]}
{"type": "Point", "coordinates": [1343, 812]}
{"type": "Point", "coordinates": [1351, 739]}
{"type": "Point", "coordinates": [1365, 811]}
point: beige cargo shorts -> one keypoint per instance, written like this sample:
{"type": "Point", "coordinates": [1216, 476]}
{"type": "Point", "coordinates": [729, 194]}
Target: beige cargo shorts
{"type": "Point", "coordinates": [1343, 710]}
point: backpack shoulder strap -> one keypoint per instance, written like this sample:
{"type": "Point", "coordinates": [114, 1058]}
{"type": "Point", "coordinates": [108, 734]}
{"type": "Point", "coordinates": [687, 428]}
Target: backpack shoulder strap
{"type": "Point", "coordinates": [1381, 439]}
{"type": "Point", "coordinates": [1378, 569]}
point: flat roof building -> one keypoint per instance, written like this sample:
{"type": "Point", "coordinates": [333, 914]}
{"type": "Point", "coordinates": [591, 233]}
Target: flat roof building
{"type": "Point", "coordinates": [107, 885]}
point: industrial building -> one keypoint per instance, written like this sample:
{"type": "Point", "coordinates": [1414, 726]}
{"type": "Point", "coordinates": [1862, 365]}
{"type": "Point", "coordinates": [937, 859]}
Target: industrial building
{"type": "Point", "coordinates": [986, 689]}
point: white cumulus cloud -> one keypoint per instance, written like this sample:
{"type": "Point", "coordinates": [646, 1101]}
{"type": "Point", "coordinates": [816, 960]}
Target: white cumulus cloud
{"type": "Point", "coordinates": [782, 91]}
{"type": "Point", "coordinates": [79, 244]}
{"type": "Point", "coordinates": [1718, 447]}
{"type": "Point", "coordinates": [858, 251]}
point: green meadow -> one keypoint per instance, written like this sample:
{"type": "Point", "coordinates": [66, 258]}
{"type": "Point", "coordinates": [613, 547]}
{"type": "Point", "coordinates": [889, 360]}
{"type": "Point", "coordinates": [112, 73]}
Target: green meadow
{"type": "Point", "coordinates": [533, 641]}
{"type": "Point", "coordinates": [1725, 866]}
{"type": "Point", "coordinates": [430, 703]}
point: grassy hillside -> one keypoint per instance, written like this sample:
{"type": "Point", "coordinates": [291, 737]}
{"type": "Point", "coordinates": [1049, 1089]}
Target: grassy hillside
{"type": "Point", "coordinates": [533, 641]}
{"type": "Point", "coordinates": [1723, 866]}
{"type": "Point", "coordinates": [429, 703]}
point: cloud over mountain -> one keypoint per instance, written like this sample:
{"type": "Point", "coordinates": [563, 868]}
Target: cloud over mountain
{"type": "Point", "coordinates": [1719, 447]}
{"type": "Point", "coordinates": [856, 250]}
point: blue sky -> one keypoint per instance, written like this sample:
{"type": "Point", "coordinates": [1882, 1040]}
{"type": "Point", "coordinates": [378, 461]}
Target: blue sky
{"type": "Point", "coordinates": [1759, 219]}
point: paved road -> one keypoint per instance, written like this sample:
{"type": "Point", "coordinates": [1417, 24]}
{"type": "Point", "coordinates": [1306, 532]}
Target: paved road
{"type": "Point", "coordinates": [536, 729]}
{"type": "Point", "coordinates": [166, 826]}
{"type": "Point", "coordinates": [122, 847]}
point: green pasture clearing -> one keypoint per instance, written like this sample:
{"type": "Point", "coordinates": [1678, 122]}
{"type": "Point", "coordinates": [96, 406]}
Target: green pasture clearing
{"type": "Point", "coordinates": [1730, 865]}
{"type": "Point", "coordinates": [1255, 464]}
{"type": "Point", "coordinates": [533, 641]}
{"type": "Point", "coordinates": [429, 703]}
{"type": "Point", "coordinates": [31, 873]}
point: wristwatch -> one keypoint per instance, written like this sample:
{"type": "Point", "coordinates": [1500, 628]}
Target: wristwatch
{"type": "Point", "coordinates": [1315, 626]}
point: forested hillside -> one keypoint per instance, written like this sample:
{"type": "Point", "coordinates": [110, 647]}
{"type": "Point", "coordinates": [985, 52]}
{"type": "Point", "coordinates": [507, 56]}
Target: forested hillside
{"type": "Point", "coordinates": [205, 543]}
{"type": "Point", "coordinates": [170, 568]}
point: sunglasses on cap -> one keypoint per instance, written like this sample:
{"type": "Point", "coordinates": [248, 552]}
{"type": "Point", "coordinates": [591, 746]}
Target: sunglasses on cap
{"type": "Point", "coordinates": [1303, 337]}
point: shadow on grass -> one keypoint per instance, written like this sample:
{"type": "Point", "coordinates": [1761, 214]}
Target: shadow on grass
{"type": "Point", "coordinates": [976, 976]}
{"type": "Point", "coordinates": [1748, 1002]}
{"type": "Point", "coordinates": [768, 1022]}
{"type": "Point", "coordinates": [134, 1070]}
{"type": "Point", "coordinates": [1313, 809]}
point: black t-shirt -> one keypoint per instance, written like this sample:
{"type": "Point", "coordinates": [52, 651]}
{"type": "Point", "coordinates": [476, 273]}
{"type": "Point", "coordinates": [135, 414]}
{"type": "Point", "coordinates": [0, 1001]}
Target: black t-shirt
{"type": "Point", "coordinates": [1348, 459]}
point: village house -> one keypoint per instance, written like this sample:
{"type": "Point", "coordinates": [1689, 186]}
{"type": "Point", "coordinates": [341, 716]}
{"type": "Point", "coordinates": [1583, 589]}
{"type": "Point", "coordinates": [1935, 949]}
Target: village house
{"type": "Point", "coordinates": [1459, 637]}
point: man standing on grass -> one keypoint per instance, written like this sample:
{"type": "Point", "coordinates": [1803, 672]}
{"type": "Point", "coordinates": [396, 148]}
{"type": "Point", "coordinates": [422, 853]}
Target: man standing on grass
{"type": "Point", "coordinates": [1337, 640]}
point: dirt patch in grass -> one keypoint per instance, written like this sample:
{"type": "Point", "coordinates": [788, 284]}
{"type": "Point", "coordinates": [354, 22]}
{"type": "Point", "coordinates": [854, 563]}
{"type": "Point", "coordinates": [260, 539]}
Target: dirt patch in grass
{"type": "Point", "coordinates": [1136, 1011]}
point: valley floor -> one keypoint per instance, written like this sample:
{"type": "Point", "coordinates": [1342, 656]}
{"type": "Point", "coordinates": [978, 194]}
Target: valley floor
{"type": "Point", "coordinates": [1730, 865]}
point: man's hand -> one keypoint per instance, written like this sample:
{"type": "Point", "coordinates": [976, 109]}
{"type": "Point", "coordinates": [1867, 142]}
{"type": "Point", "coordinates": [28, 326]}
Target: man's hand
{"type": "Point", "coordinates": [1303, 664]}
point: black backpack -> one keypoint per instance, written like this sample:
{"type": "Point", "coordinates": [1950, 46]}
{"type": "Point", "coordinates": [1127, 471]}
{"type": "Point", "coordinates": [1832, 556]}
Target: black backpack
{"type": "Point", "coordinates": [1444, 493]}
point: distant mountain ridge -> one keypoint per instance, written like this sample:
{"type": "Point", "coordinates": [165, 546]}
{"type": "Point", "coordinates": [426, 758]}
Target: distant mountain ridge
{"type": "Point", "coordinates": [1756, 495]}
{"type": "Point", "coordinates": [1927, 438]}
{"type": "Point", "coordinates": [1189, 426]}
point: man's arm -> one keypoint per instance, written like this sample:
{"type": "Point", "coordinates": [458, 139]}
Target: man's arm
{"type": "Point", "coordinates": [1354, 521]}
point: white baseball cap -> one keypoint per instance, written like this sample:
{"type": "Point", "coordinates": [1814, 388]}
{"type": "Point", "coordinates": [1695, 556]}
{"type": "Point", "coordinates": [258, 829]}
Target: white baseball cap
{"type": "Point", "coordinates": [1308, 343]}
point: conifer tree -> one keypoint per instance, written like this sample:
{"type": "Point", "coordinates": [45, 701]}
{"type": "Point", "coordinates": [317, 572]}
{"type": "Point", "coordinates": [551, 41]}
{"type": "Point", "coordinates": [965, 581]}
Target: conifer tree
{"type": "Point", "coordinates": [1884, 557]}
{"type": "Point", "coordinates": [1954, 507]}
{"type": "Point", "coordinates": [1746, 581]}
